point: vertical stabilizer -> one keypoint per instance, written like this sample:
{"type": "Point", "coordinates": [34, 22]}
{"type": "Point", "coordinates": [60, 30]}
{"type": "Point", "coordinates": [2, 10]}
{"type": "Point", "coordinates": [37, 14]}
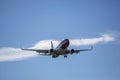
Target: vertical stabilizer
{"type": "Point", "coordinates": [52, 47]}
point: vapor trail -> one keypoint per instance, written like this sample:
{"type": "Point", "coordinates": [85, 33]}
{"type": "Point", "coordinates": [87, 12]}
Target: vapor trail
{"type": "Point", "coordinates": [45, 44]}
{"type": "Point", "coordinates": [12, 54]}
{"type": "Point", "coordinates": [92, 41]}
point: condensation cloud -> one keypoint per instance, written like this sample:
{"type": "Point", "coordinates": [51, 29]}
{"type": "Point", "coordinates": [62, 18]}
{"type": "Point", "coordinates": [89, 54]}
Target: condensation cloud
{"type": "Point", "coordinates": [13, 54]}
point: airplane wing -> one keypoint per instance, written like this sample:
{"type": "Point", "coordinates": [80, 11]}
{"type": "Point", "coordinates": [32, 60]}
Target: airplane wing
{"type": "Point", "coordinates": [77, 51]}
{"type": "Point", "coordinates": [37, 50]}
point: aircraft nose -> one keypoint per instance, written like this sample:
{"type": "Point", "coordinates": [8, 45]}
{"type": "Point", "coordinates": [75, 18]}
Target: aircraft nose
{"type": "Point", "coordinates": [67, 42]}
{"type": "Point", "coordinates": [66, 39]}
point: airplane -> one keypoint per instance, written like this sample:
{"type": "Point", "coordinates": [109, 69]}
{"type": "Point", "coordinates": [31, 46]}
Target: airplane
{"type": "Point", "coordinates": [61, 49]}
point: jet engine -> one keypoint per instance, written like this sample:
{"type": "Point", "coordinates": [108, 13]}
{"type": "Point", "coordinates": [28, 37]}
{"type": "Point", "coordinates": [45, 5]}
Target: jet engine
{"type": "Point", "coordinates": [72, 51]}
{"type": "Point", "coordinates": [51, 50]}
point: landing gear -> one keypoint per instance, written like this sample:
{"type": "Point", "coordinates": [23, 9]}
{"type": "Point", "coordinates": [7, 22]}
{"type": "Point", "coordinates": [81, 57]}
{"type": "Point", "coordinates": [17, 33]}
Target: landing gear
{"type": "Point", "coordinates": [55, 56]}
{"type": "Point", "coordinates": [65, 56]}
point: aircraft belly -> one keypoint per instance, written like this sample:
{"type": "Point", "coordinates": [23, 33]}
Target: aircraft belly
{"type": "Point", "coordinates": [61, 52]}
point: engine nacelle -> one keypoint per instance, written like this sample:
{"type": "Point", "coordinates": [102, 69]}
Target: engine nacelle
{"type": "Point", "coordinates": [51, 50]}
{"type": "Point", "coordinates": [72, 51]}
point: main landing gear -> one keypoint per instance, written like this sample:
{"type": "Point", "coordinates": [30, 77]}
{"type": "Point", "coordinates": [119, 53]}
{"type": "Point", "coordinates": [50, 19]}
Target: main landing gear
{"type": "Point", "coordinates": [65, 56]}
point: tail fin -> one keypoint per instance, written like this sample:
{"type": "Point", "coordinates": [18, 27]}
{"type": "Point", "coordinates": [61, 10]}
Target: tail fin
{"type": "Point", "coordinates": [52, 47]}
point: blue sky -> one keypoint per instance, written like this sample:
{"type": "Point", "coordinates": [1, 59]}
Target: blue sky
{"type": "Point", "coordinates": [23, 23]}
